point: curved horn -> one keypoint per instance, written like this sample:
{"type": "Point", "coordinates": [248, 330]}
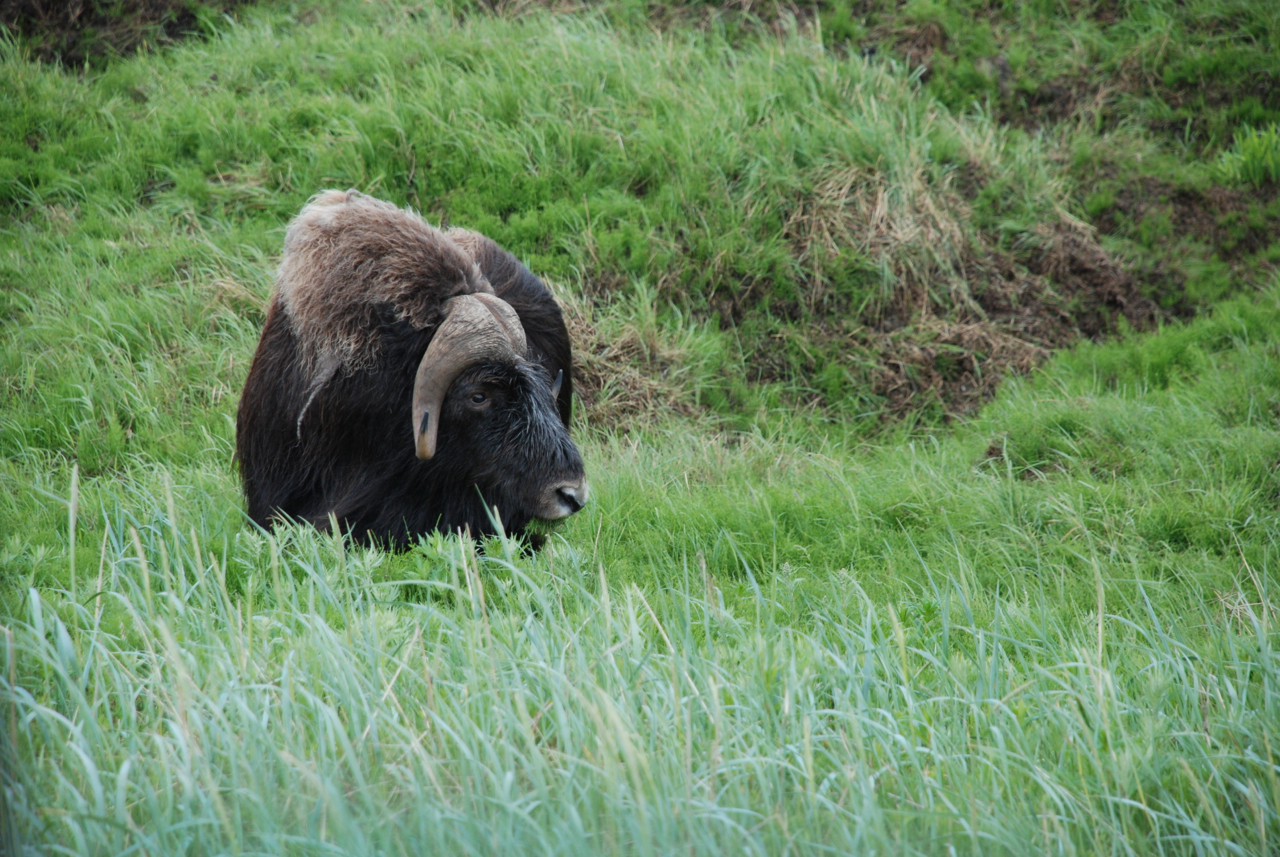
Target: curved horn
{"type": "Point", "coordinates": [476, 327]}
{"type": "Point", "coordinates": [506, 317]}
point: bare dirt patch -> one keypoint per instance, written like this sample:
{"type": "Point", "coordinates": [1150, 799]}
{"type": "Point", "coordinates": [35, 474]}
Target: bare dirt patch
{"type": "Point", "coordinates": [1067, 289]}
{"type": "Point", "coordinates": [75, 31]}
{"type": "Point", "coordinates": [955, 367]}
{"type": "Point", "coordinates": [1099, 292]}
{"type": "Point", "coordinates": [915, 43]}
{"type": "Point", "coordinates": [1233, 222]}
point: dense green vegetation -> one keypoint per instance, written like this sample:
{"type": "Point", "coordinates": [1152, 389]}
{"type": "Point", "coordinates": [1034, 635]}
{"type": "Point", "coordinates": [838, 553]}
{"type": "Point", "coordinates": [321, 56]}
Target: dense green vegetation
{"type": "Point", "coordinates": [1144, 95]}
{"type": "Point", "coordinates": [1197, 69]}
{"type": "Point", "coordinates": [800, 613]}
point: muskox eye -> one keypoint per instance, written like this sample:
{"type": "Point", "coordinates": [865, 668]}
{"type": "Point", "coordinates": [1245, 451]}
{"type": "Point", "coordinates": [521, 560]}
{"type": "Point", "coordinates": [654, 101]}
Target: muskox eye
{"type": "Point", "coordinates": [478, 398]}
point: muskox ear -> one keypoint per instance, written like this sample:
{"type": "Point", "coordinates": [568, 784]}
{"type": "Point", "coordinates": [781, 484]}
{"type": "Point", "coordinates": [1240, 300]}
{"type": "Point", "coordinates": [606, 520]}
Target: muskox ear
{"type": "Point", "coordinates": [475, 327]}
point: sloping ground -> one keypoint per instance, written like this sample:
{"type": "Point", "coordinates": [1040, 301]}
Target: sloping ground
{"type": "Point", "coordinates": [839, 240]}
{"type": "Point", "coordinates": [1140, 100]}
{"type": "Point", "coordinates": [1051, 628]}
{"type": "Point", "coordinates": [1194, 70]}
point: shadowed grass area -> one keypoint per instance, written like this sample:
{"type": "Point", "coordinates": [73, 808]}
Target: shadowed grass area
{"type": "Point", "coordinates": [84, 32]}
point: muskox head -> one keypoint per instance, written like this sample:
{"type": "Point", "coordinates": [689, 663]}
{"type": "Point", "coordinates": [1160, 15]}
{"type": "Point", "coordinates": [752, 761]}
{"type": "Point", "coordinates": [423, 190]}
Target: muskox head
{"type": "Point", "coordinates": [494, 413]}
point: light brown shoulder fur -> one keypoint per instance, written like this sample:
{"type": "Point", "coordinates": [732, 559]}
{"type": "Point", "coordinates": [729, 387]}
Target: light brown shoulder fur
{"type": "Point", "coordinates": [472, 243]}
{"type": "Point", "coordinates": [346, 255]}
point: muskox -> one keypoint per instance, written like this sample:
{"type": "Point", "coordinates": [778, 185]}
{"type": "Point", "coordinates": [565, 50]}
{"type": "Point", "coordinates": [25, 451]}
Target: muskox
{"type": "Point", "coordinates": [407, 380]}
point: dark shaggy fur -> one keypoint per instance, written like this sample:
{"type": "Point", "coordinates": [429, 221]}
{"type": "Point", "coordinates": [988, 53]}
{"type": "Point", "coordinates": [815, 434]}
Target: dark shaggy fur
{"type": "Point", "coordinates": [324, 424]}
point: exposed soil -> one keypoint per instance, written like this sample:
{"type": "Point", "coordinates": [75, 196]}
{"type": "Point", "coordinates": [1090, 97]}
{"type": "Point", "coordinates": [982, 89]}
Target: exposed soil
{"type": "Point", "coordinates": [1049, 104]}
{"type": "Point", "coordinates": [1067, 289]}
{"type": "Point", "coordinates": [955, 367]}
{"type": "Point", "coordinates": [1234, 223]}
{"type": "Point", "coordinates": [1098, 291]}
{"type": "Point", "coordinates": [915, 43]}
{"type": "Point", "coordinates": [1212, 91]}
{"type": "Point", "coordinates": [74, 32]}
{"type": "Point", "coordinates": [1184, 232]}
{"type": "Point", "coordinates": [1107, 12]}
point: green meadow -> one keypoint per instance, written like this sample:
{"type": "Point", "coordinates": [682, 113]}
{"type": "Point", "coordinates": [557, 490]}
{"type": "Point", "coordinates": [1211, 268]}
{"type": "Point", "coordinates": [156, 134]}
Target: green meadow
{"type": "Point", "coordinates": [930, 397]}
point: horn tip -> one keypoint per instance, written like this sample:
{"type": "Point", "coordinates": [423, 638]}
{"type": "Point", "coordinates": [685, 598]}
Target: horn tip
{"type": "Point", "coordinates": [424, 443]}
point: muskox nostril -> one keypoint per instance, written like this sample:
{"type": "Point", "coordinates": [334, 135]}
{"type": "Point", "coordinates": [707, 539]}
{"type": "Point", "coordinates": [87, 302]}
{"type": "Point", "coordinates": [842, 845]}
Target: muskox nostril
{"type": "Point", "coordinates": [571, 498]}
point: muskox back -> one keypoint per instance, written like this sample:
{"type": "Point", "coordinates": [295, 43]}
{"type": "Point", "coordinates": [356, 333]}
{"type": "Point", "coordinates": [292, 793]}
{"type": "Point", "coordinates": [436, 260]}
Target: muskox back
{"type": "Point", "coordinates": [325, 426]}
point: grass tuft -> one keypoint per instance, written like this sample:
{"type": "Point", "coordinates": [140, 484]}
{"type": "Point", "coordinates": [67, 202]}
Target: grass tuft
{"type": "Point", "coordinates": [1254, 158]}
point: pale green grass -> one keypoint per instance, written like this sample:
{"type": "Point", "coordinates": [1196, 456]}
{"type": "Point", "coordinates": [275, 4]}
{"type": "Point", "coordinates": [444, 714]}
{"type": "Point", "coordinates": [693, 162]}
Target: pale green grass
{"type": "Point", "coordinates": [536, 707]}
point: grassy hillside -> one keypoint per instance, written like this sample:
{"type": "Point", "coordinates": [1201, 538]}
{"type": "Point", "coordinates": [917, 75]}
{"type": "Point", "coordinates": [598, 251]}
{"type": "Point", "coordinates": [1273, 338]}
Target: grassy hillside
{"type": "Point", "coordinates": [798, 614]}
{"type": "Point", "coordinates": [814, 228]}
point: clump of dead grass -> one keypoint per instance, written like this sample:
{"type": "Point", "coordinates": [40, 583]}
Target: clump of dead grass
{"type": "Point", "coordinates": [1242, 611]}
{"type": "Point", "coordinates": [954, 366]}
{"type": "Point", "coordinates": [622, 370]}
{"type": "Point", "coordinates": [909, 229]}
{"type": "Point", "coordinates": [953, 309]}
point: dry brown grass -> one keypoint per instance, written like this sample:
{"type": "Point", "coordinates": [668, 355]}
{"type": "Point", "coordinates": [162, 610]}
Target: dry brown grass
{"type": "Point", "coordinates": [955, 365]}
{"type": "Point", "coordinates": [908, 227]}
{"type": "Point", "coordinates": [621, 372]}
{"type": "Point", "coordinates": [957, 312]}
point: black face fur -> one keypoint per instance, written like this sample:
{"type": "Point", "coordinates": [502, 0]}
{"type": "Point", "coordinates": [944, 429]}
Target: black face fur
{"type": "Point", "coordinates": [500, 431]}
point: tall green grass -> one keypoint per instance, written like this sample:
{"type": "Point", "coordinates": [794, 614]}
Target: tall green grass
{"type": "Point", "coordinates": [738, 181]}
{"type": "Point", "coordinates": [1255, 157]}
{"type": "Point", "coordinates": [1055, 632]}
{"type": "Point", "coordinates": [538, 707]}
